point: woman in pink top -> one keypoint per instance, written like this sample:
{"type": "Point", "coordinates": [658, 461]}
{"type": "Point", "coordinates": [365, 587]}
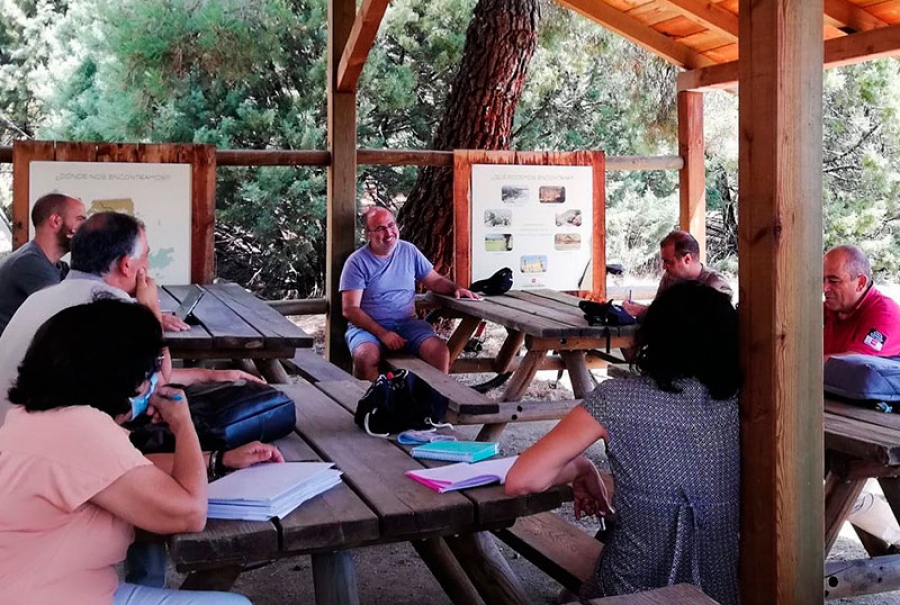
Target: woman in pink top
{"type": "Point", "coordinates": [72, 487]}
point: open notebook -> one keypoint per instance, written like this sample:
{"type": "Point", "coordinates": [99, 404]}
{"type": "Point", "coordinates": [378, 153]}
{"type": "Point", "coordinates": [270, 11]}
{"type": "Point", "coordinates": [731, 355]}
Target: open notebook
{"type": "Point", "coordinates": [463, 475]}
{"type": "Point", "coordinates": [268, 490]}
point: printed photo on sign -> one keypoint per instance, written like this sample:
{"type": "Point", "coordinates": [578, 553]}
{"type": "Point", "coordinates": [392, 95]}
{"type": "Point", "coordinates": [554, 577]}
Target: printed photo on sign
{"type": "Point", "coordinates": [515, 194]}
{"type": "Point", "coordinates": [533, 263]}
{"type": "Point", "coordinates": [498, 242]}
{"type": "Point", "coordinates": [875, 339]}
{"type": "Point", "coordinates": [552, 195]}
{"type": "Point", "coordinates": [498, 217]}
{"type": "Point", "coordinates": [569, 217]}
{"type": "Point", "coordinates": [567, 241]}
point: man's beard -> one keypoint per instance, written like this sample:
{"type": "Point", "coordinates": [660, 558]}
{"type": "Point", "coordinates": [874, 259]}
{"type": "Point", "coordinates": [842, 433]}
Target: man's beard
{"type": "Point", "coordinates": [63, 241]}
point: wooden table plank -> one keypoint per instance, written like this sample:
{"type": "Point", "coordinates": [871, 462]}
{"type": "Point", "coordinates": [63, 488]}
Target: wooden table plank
{"type": "Point", "coordinates": [862, 440]}
{"type": "Point", "coordinates": [196, 338]}
{"type": "Point", "coordinates": [543, 307]}
{"type": "Point", "coordinates": [490, 310]}
{"type": "Point", "coordinates": [277, 330]}
{"type": "Point", "coordinates": [229, 331]}
{"type": "Point", "coordinates": [375, 469]}
{"type": "Point", "coordinates": [849, 410]}
{"type": "Point", "coordinates": [335, 519]}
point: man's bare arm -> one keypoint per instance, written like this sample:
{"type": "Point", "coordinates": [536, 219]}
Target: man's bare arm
{"type": "Point", "coordinates": [436, 282]}
{"type": "Point", "coordinates": [350, 303]}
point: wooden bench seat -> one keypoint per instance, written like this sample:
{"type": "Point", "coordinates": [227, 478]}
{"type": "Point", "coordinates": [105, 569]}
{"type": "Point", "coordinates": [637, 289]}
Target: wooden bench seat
{"type": "Point", "coordinates": [468, 406]}
{"type": "Point", "coordinates": [560, 549]}
{"type": "Point", "coordinates": [315, 368]}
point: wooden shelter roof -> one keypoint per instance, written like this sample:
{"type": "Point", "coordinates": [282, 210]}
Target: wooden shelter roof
{"type": "Point", "coordinates": [702, 35]}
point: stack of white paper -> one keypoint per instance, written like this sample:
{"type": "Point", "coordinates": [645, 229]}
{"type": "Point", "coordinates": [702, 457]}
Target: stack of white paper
{"type": "Point", "coordinates": [269, 490]}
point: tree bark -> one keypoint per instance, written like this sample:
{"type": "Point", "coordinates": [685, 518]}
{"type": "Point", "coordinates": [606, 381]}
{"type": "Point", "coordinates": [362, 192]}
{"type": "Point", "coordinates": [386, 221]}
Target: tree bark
{"type": "Point", "coordinates": [500, 42]}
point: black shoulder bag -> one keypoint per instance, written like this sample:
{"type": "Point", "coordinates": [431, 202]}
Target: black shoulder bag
{"type": "Point", "coordinates": [397, 402]}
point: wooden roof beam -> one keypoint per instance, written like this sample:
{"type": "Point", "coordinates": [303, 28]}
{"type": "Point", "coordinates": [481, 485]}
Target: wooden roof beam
{"type": "Point", "coordinates": [708, 15]}
{"type": "Point", "coordinates": [637, 32]}
{"type": "Point", "coordinates": [846, 50]}
{"type": "Point", "coordinates": [362, 37]}
{"type": "Point", "coordinates": [843, 14]}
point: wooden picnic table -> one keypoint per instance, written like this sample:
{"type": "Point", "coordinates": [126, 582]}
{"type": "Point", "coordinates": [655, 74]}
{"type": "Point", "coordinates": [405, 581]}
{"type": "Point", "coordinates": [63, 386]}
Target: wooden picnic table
{"type": "Point", "coordinates": [231, 323]}
{"type": "Point", "coordinates": [375, 504]}
{"type": "Point", "coordinates": [543, 321]}
{"type": "Point", "coordinates": [860, 444]}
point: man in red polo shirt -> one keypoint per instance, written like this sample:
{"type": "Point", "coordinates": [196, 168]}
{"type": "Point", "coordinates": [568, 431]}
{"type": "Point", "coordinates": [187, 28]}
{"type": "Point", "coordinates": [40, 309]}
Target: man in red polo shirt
{"type": "Point", "coordinates": [858, 318]}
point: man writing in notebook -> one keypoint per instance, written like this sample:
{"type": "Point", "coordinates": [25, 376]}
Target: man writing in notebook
{"type": "Point", "coordinates": [378, 297]}
{"type": "Point", "coordinates": [680, 254]}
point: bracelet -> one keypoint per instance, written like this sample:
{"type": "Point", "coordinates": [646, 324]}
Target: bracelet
{"type": "Point", "coordinates": [219, 468]}
{"type": "Point", "coordinates": [212, 465]}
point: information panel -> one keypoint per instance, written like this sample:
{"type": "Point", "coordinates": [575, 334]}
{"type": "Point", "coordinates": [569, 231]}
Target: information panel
{"type": "Point", "coordinates": [157, 194]}
{"type": "Point", "coordinates": [536, 220]}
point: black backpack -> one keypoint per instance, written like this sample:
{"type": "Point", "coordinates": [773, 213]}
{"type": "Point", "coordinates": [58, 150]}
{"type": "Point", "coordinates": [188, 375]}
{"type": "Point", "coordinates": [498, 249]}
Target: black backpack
{"type": "Point", "coordinates": [400, 401]}
{"type": "Point", "coordinates": [605, 314]}
{"type": "Point", "coordinates": [495, 285]}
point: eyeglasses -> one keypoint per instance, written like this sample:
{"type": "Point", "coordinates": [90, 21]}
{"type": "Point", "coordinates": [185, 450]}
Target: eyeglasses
{"type": "Point", "coordinates": [381, 230]}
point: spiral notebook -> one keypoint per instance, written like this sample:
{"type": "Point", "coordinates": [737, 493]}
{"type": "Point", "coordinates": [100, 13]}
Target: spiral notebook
{"type": "Point", "coordinates": [456, 451]}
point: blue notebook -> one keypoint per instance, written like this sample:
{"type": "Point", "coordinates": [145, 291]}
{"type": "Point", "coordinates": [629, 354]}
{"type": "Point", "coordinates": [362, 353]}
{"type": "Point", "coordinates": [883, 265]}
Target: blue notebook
{"type": "Point", "coordinates": [456, 451]}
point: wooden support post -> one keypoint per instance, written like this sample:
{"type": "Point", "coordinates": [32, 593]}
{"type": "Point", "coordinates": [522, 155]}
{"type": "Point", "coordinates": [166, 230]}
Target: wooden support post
{"type": "Point", "coordinates": [341, 180]}
{"type": "Point", "coordinates": [780, 247]}
{"type": "Point", "coordinates": [581, 378]}
{"type": "Point", "coordinates": [447, 571]}
{"type": "Point", "coordinates": [490, 573]}
{"type": "Point", "coordinates": [692, 176]}
{"type": "Point", "coordinates": [840, 495]}
{"type": "Point", "coordinates": [272, 370]}
{"type": "Point", "coordinates": [461, 335]}
{"type": "Point", "coordinates": [508, 351]}
{"type": "Point", "coordinates": [334, 578]}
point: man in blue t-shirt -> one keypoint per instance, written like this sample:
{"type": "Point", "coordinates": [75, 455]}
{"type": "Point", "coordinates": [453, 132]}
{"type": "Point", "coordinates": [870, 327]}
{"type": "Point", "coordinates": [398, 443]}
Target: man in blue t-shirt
{"type": "Point", "coordinates": [378, 297]}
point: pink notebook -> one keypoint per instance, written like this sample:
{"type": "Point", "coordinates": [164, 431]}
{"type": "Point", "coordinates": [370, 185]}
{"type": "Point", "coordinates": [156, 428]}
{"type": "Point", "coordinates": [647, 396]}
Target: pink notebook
{"type": "Point", "coordinates": [463, 475]}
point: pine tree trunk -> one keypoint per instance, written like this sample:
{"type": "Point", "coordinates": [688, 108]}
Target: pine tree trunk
{"type": "Point", "coordinates": [479, 114]}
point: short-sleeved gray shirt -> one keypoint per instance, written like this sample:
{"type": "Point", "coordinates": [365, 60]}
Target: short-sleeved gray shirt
{"type": "Point", "coordinates": [388, 283]}
{"type": "Point", "coordinates": [23, 273]}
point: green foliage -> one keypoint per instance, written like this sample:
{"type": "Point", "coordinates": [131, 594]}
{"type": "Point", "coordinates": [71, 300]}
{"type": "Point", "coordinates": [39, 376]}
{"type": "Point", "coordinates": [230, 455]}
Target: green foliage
{"type": "Point", "coordinates": [252, 76]}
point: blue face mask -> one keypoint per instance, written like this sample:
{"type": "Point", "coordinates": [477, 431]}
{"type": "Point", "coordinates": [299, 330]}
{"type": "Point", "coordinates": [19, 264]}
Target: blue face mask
{"type": "Point", "coordinates": [139, 403]}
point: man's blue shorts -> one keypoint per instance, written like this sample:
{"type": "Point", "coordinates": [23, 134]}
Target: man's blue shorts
{"type": "Point", "coordinates": [415, 331]}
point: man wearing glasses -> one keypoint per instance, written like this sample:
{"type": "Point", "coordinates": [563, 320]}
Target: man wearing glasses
{"type": "Point", "coordinates": [378, 288]}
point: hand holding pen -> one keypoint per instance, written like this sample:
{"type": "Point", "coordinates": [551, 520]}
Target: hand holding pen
{"type": "Point", "coordinates": [169, 404]}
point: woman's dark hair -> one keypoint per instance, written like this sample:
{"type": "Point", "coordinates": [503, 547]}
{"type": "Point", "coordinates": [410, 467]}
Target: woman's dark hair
{"type": "Point", "coordinates": [691, 331]}
{"type": "Point", "coordinates": [96, 354]}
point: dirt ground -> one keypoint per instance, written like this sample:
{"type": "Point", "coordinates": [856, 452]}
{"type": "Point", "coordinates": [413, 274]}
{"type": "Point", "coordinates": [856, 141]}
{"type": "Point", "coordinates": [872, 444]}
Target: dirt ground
{"type": "Point", "coordinates": [394, 574]}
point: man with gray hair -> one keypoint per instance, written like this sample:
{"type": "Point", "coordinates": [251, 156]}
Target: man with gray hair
{"type": "Point", "coordinates": [858, 318]}
{"type": "Point", "coordinates": [110, 258]}
{"type": "Point", "coordinates": [55, 218]}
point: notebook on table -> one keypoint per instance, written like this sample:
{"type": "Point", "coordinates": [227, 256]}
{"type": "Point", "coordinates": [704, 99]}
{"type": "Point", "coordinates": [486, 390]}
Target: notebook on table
{"type": "Point", "coordinates": [462, 476]}
{"type": "Point", "coordinates": [270, 489]}
{"type": "Point", "coordinates": [456, 451]}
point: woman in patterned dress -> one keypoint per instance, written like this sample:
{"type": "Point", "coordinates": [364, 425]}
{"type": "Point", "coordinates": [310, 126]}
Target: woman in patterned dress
{"type": "Point", "coordinates": [672, 439]}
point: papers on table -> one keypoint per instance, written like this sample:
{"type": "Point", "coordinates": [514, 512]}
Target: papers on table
{"type": "Point", "coordinates": [463, 475]}
{"type": "Point", "coordinates": [268, 490]}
